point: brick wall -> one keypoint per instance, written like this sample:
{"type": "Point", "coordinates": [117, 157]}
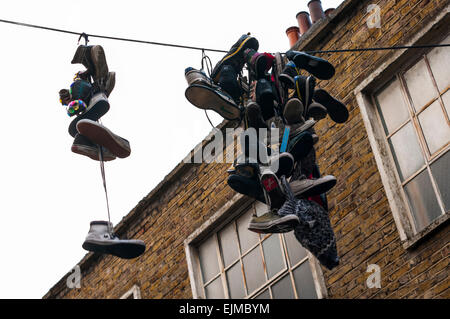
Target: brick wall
{"type": "Point", "coordinates": [360, 213]}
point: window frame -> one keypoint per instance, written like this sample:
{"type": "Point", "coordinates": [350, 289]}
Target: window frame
{"type": "Point", "coordinates": [235, 208]}
{"type": "Point", "coordinates": [399, 63]}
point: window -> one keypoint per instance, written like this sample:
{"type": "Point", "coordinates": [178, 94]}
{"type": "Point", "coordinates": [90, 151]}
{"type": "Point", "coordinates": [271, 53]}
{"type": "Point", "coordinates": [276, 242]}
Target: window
{"type": "Point", "coordinates": [235, 263]}
{"type": "Point", "coordinates": [405, 106]}
{"type": "Point", "coordinates": [414, 109]}
{"type": "Point", "coordinates": [133, 293]}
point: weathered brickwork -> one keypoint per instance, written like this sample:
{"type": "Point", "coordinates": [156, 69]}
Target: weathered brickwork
{"type": "Point", "coordinates": [360, 213]}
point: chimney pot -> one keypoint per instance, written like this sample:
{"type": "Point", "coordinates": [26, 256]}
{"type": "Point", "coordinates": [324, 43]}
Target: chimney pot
{"type": "Point", "coordinates": [293, 34]}
{"type": "Point", "coordinates": [304, 22]}
{"type": "Point", "coordinates": [316, 11]}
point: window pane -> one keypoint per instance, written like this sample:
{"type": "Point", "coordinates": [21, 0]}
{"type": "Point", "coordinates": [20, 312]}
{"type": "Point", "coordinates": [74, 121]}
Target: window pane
{"type": "Point", "coordinates": [439, 62]}
{"type": "Point", "coordinates": [264, 295]}
{"type": "Point", "coordinates": [208, 259]}
{"type": "Point", "coordinates": [215, 289]}
{"type": "Point", "coordinates": [283, 289]}
{"type": "Point", "coordinates": [434, 126]}
{"type": "Point", "coordinates": [304, 282]}
{"type": "Point", "coordinates": [422, 200]}
{"type": "Point", "coordinates": [392, 106]}
{"type": "Point", "coordinates": [246, 238]}
{"type": "Point", "coordinates": [229, 244]}
{"type": "Point", "coordinates": [235, 281]}
{"type": "Point", "coordinates": [441, 174]}
{"type": "Point", "coordinates": [406, 151]}
{"type": "Point", "coordinates": [254, 270]}
{"type": "Point", "coordinates": [446, 100]}
{"type": "Point", "coordinates": [420, 85]}
{"type": "Point", "coordinates": [273, 255]}
{"type": "Point", "coordinates": [295, 251]}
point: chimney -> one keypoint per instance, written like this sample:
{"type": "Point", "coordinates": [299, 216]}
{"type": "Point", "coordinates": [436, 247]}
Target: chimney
{"type": "Point", "coordinates": [304, 22]}
{"type": "Point", "coordinates": [293, 34]}
{"type": "Point", "coordinates": [329, 11]}
{"type": "Point", "coordinates": [316, 11]}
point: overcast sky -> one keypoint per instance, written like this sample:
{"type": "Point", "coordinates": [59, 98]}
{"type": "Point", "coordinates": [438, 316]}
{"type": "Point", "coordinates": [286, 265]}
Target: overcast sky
{"type": "Point", "coordinates": [49, 194]}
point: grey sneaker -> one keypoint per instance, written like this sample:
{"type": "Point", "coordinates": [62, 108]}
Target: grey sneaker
{"type": "Point", "coordinates": [301, 127]}
{"type": "Point", "coordinates": [100, 135]}
{"type": "Point", "coordinates": [101, 240]}
{"type": "Point", "coordinates": [271, 222]}
{"type": "Point", "coordinates": [293, 111]}
{"type": "Point", "coordinates": [110, 83]}
{"type": "Point", "coordinates": [194, 76]}
{"type": "Point", "coordinates": [93, 58]}
{"type": "Point", "coordinates": [311, 187]}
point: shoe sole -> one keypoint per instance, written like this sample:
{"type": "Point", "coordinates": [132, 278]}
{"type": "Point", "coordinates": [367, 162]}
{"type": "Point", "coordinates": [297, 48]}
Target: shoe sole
{"type": "Point", "coordinates": [304, 127]}
{"type": "Point", "coordinates": [82, 151]}
{"type": "Point", "coordinates": [282, 225]}
{"type": "Point", "coordinates": [121, 250]}
{"type": "Point", "coordinates": [230, 55]}
{"type": "Point", "coordinates": [273, 189]}
{"type": "Point", "coordinates": [317, 111]}
{"type": "Point", "coordinates": [318, 189]}
{"type": "Point", "coordinates": [320, 68]}
{"type": "Point", "coordinates": [336, 109]}
{"type": "Point", "coordinates": [100, 135]}
{"type": "Point", "coordinates": [207, 98]}
{"type": "Point", "coordinates": [293, 111]}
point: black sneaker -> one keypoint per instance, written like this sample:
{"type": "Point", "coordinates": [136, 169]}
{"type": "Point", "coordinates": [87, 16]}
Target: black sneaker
{"type": "Point", "coordinates": [320, 68]}
{"type": "Point", "coordinates": [246, 186]}
{"type": "Point", "coordinates": [256, 62]}
{"type": "Point", "coordinates": [288, 74]}
{"type": "Point", "coordinates": [274, 190]}
{"type": "Point", "coordinates": [304, 88]}
{"type": "Point", "coordinates": [207, 98]}
{"type": "Point", "coordinates": [254, 116]}
{"type": "Point", "coordinates": [300, 145]}
{"type": "Point", "coordinates": [317, 111]}
{"type": "Point", "coordinates": [229, 83]}
{"type": "Point", "coordinates": [83, 146]}
{"type": "Point", "coordinates": [335, 108]}
{"type": "Point", "coordinates": [266, 97]}
{"type": "Point", "coordinates": [235, 56]}
{"type": "Point", "coordinates": [282, 164]}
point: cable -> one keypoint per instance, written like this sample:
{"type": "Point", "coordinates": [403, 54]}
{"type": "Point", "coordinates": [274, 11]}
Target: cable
{"type": "Point", "coordinates": [215, 50]}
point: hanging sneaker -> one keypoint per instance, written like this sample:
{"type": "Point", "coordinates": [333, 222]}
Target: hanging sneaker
{"type": "Point", "coordinates": [194, 76]}
{"type": "Point", "coordinates": [81, 145]}
{"type": "Point", "coordinates": [293, 111]}
{"type": "Point", "coordinates": [110, 83]}
{"type": "Point", "coordinates": [254, 116]}
{"type": "Point", "coordinates": [282, 164]}
{"type": "Point", "coordinates": [271, 222]}
{"type": "Point", "coordinates": [335, 108]}
{"type": "Point", "coordinates": [102, 136]}
{"type": "Point", "coordinates": [258, 63]}
{"type": "Point", "coordinates": [273, 188]}
{"type": "Point", "coordinates": [94, 59]}
{"type": "Point", "coordinates": [320, 68]}
{"type": "Point", "coordinates": [288, 74]}
{"type": "Point", "coordinates": [298, 128]}
{"type": "Point", "coordinates": [266, 97]}
{"type": "Point", "coordinates": [317, 111]}
{"type": "Point", "coordinates": [100, 240]}
{"type": "Point", "coordinates": [300, 145]}
{"type": "Point", "coordinates": [208, 98]}
{"type": "Point", "coordinates": [304, 89]}
{"type": "Point", "coordinates": [310, 187]}
{"type": "Point", "coordinates": [246, 186]}
{"type": "Point", "coordinates": [228, 82]}
{"type": "Point", "coordinates": [235, 56]}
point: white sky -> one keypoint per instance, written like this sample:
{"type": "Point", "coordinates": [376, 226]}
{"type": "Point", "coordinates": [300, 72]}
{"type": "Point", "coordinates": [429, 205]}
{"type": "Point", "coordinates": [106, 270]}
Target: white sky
{"type": "Point", "coordinates": [49, 194]}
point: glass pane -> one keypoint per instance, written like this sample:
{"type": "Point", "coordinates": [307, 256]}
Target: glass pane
{"type": "Point", "coordinates": [441, 174]}
{"type": "Point", "coordinates": [422, 200]}
{"type": "Point", "coordinates": [392, 106]}
{"type": "Point", "coordinates": [406, 151]}
{"type": "Point", "coordinates": [446, 100]}
{"type": "Point", "coordinates": [229, 244]}
{"type": "Point", "coordinates": [283, 289]}
{"type": "Point", "coordinates": [235, 281]}
{"type": "Point", "coordinates": [247, 238]}
{"type": "Point", "coordinates": [208, 259]}
{"type": "Point", "coordinates": [439, 62]}
{"type": "Point", "coordinates": [264, 295]}
{"type": "Point", "coordinates": [295, 251]}
{"type": "Point", "coordinates": [434, 126]}
{"type": "Point", "coordinates": [273, 255]}
{"type": "Point", "coordinates": [261, 208]}
{"type": "Point", "coordinates": [254, 270]}
{"type": "Point", "coordinates": [420, 85]}
{"type": "Point", "coordinates": [215, 289]}
{"type": "Point", "coordinates": [304, 282]}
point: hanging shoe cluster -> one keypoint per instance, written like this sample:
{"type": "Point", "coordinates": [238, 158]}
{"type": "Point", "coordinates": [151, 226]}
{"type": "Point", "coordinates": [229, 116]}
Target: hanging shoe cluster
{"type": "Point", "coordinates": [284, 95]}
{"type": "Point", "coordinates": [87, 101]}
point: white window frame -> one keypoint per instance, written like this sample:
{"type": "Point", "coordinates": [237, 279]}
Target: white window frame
{"type": "Point", "coordinates": [377, 137]}
{"type": "Point", "coordinates": [230, 211]}
{"type": "Point", "coordinates": [135, 291]}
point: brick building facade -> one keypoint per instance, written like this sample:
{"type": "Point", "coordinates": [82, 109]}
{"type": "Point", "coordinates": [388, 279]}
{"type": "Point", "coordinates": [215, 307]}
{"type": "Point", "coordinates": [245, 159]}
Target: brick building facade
{"type": "Point", "coordinates": [385, 210]}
